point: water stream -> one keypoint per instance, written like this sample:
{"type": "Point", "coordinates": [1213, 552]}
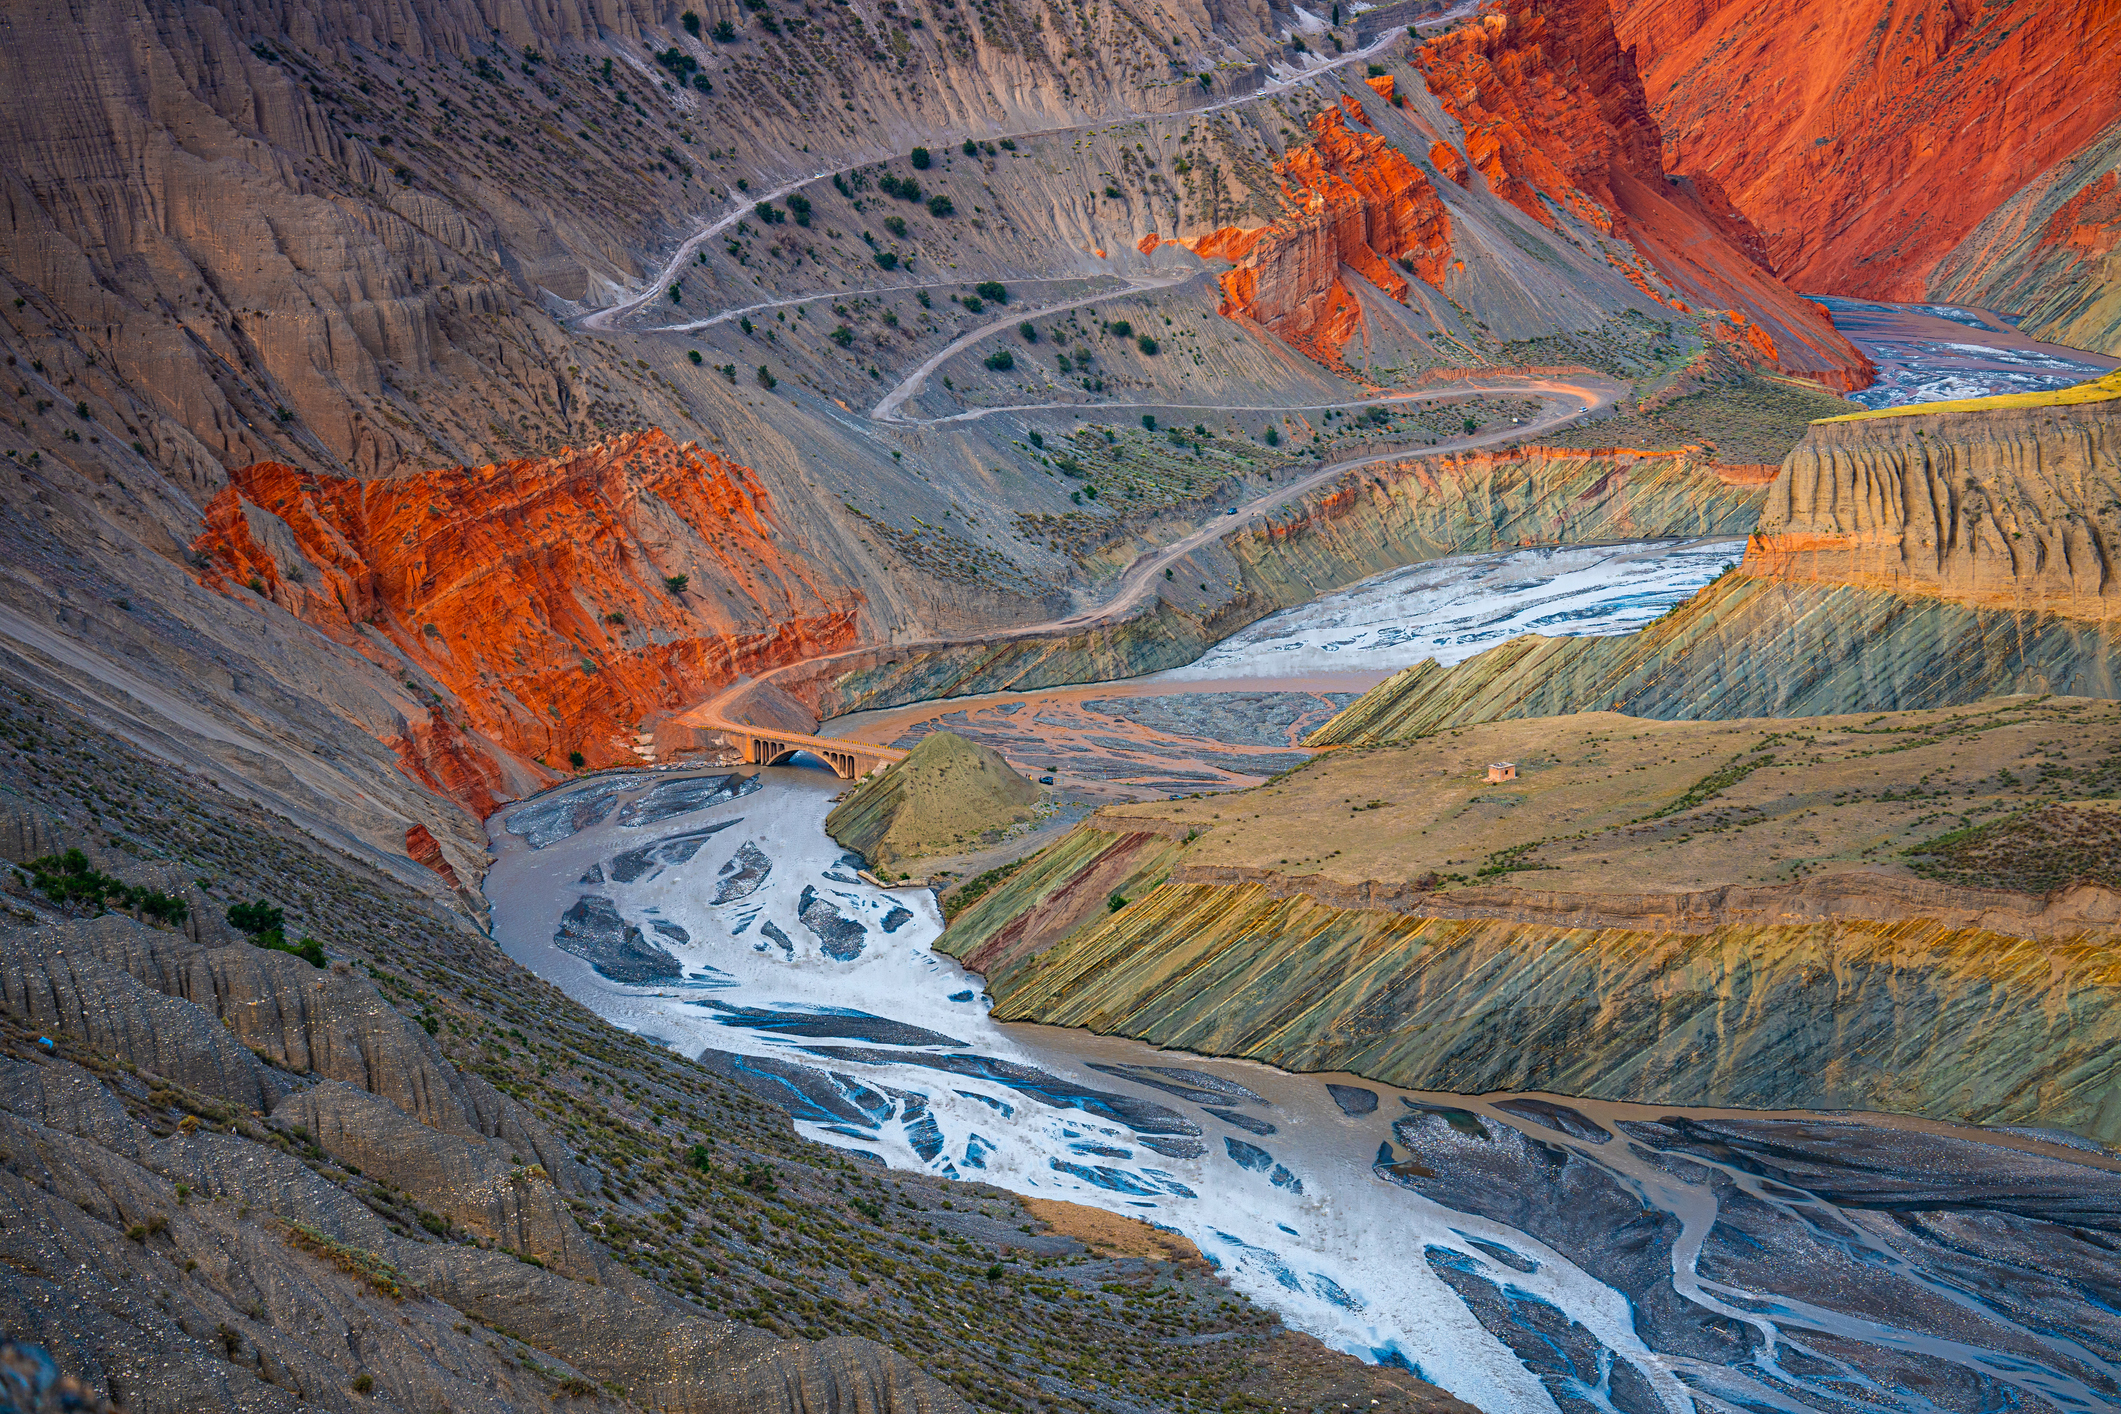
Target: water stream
{"type": "Point", "coordinates": [1928, 353]}
{"type": "Point", "coordinates": [1526, 1253]}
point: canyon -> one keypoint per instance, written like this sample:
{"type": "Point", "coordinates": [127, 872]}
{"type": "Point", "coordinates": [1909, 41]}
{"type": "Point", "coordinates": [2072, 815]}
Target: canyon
{"type": "Point", "coordinates": [434, 435]}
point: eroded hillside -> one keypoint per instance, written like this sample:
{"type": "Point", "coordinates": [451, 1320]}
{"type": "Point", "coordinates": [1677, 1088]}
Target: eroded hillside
{"type": "Point", "coordinates": [1635, 915]}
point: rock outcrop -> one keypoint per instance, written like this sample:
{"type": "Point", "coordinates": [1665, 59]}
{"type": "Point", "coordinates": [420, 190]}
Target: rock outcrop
{"type": "Point", "coordinates": [1354, 200]}
{"type": "Point", "coordinates": [2008, 509]}
{"type": "Point", "coordinates": [1864, 143]}
{"type": "Point", "coordinates": [946, 795]}
{"type": "Point", "coordinates": [542, 596]}
{"type": "Point", "coordinates": [1555, 119]}
{"type": "Point", "coordinates": [1916, 557]}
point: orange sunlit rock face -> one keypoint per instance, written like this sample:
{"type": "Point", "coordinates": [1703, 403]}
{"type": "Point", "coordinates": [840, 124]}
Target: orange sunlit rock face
{"type": "Point", "coordinates": [533, 593]}
{"type": "Point", "coordinates": [1866, 140]}
{"type": "Point", "coordinates": [1352, 199]}
{"type": "Point", "coordinates": [1555, 120]}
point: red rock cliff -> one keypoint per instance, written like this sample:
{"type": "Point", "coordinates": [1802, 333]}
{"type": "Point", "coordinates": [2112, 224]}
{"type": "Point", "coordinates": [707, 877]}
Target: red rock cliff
{"type": "Point", "coordinates": [1351, 199]}
{"type": "Point", "coordinates": [533, 593]}
{"type": "Point", "coordinates": [1556, 119]}
{"type": "Point", "coordinates": [1866, 140]}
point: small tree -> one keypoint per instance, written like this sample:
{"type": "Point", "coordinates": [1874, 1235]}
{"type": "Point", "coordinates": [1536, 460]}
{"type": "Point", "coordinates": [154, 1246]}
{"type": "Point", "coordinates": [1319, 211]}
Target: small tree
{"type": "Point", "coordinates": [920, 159]}
{"type": "Point", "coordinates": [843, 336]}
{"type": "Point", "coordinates": [1471, 427]}
{"type": "Point", "coordinates": [1146, 344]}
{"type": "Point", "coordinates": [724, 32]}
{"type": "Point", "coordinates": [940, 206]}
{"type": "Point", "coordinates": [766, 379]}
{"type": "Point", "coordinates": [800, 205]}
{"type": "Point", "coordinates": [1001, 360]}
{"type": "Point", "coordinates": [694, 356]}
{"type": "Point", "coordinates": [692, 23]}
{"type": "Point", "coordinates": [971, 148]}
{"type": "Point", "coordinates": [676, 583]}
{"type": "Point", "coordinates": [575, 759]}
{"type": "Point", "coordinates": [993, 290]}
{"type": "Point", "coordinates": [1273, 437]}
{"type": "Point", "coordinates": [1149, 421]}
{"type": "Point", "coordinates": [1030, 334]}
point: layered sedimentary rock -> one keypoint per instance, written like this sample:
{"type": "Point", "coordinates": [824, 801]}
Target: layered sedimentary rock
{"type": "Point", "coordinates": [2009, 509]}
{"type": "Point", "coordinates": [1638, 914]}
{"type": "Point", "coordinates": [538, 595]}
{"type": "Point", "coordinates": [1914, 1017]}
{"type": "Point", "coordinates": [1747, 647]}
{"type": "Point", "coordinates": [1554, 117]}
{"type": "Point", "coordinates": [2051, 255]}
{"type": "Point", "coordinates": [1914, 557]}
{"type": "Point", "coordinates": [1373, 519]}
{"type": "Point", "coordinates": [1866, 141]}
{"type": "Point", "coordinates": [1356, 201]}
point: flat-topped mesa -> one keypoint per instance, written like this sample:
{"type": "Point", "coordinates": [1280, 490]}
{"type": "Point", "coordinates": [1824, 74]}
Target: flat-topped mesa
{"type": "Point", "coordinates": [1997, 503]}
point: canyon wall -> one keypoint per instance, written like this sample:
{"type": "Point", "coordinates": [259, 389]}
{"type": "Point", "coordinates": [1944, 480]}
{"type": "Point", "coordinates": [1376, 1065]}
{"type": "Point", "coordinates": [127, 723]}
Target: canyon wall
{"type": "Point", "coordinates": [1866, 142]}
{"type": "Point", "coordinates": [2051, 254]}
{"type": "Point", "coordinates": [1911, 1016]}
{"type": "Point", "coordinates": [536, 597]}
{"type": "Point", "coordinates": [1556, 121]}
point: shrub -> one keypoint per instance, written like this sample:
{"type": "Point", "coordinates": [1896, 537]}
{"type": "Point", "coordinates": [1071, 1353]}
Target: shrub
{"type": "Point", "coordinates": [744, 324]}
{"type": "Point", "coordinates": [1273, 438]}
{"type": "Point", "coordinates": [1207, 81]}
{"type": "Point", "coordinates": [766, 379]}
{"type": "Point", "coordinates": [677, 294]}
{"type": "Point", "coordinates": [1115, 903]}
{"type": "Point", "coordinates": [1471, 426]}
{"type": "Point", "coordinates": [1378, 71]}
{"type": "Point", "coordinates": [694, 356]}
{"type": "Point", "coordinates": [940, 206]}
{"type": "Point", "coordinates": [680, 64]}
{"type": "Point", "coordinates": [842, 336]}
{"type": "Point", "coordinates": [922, 296]}
{"type": "Point", "coordinates": [920, 159]}
{"type": "Point", "coordinates": [887, 259]}
{"type": "Point", "coordinates": [724, 32]}
{"type": "Point", "coordinates": [67, 878]}
{"type": "Point", "coordinates": [1001, 360]}
{"type": "Point", "coordinates": [81, 411]}
{"type": "Point", "coordinates": [993, 290]}
{"type": "Point", "coordinates": [971, 148]}
{"type": "Point", "coordinates": [1146, 344]}
{"type": "Point", "coordinates": [1008, 144]}
{"type": "Point", "coordinates": [1149, 421]}
{"type": "Point", "coordinates": [767, 212]}
{"type": "Point", "coordinates": [699, 81]}
{"type": "Point", "coordinates": [904, 188]}
{"type": "Point", "coordinates": [973, 304]}
{"type": "Point", "coordinates": [800, 206]}
{"type": "Point", "coordinates": [676, 583]}
{"type": "Point", "coordinates": [576, 760]}
{"type": "Point", "coordinates": [1122, 328]}
{"type": "Point", "coordinates": [257, 918]}
{"type": "Point", "coordinates": [896, 225]}
{"type": "Point", "coordinates": [363, 1383]}
{"type": "Point", "coordinates": [1113, 192]}
{"type": "Point", "coordinates": [691, 23]}
{"type": "Point", "coordinates": [1036, 439]}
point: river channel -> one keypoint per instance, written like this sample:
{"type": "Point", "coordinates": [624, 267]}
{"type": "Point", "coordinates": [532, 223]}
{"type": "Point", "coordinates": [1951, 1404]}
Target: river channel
{"type": "Point", "coordinates": [1527, 1253]}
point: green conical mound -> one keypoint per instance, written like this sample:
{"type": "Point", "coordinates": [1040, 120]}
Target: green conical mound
{"type": "Point", "coordinates": [941, 799]}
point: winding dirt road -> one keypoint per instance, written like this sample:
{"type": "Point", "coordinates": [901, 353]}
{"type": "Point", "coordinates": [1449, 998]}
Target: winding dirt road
{"type": "Point", "coordinates": [724, 711]}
